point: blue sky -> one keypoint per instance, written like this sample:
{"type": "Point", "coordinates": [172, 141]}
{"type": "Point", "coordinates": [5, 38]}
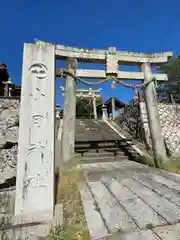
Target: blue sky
{"type": "Point", "coordinates": [130, 25]}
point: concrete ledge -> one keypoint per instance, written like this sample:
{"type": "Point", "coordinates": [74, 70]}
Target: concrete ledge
{"type": "Point", "coordinates": [34, 226]}
{"type": "Point", "coordinates": [33, 217]}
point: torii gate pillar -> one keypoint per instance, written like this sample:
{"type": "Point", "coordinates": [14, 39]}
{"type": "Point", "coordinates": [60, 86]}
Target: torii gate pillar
{"type": "Point", "coordinates": [69, 114]}
{"type": "Point", "coordinates": [153, 117]}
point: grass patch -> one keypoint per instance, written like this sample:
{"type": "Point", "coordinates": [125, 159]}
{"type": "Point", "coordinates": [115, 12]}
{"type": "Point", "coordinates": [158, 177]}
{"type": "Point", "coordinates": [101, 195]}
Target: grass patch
{"type": "Point", "coordinates": [172, 165]}
{"type": "Point", "coordinates": [145, 160]}
{"type": "Point", "coordinates": [74, 225]}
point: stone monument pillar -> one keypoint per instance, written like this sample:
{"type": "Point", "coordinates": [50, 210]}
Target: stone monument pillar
{"type": "Point", "coordinates": [35, 168]}
{"type": "Point", "coordinates": [94, 108]}
{"type": "Point", "coordinates": [104, 112]}
{"type": "Point", "coordinates": [113, 107]}
{"type": "Point", "coordinates": [93, 94]}
{"type": "Point", "coordinates": [58, 112]}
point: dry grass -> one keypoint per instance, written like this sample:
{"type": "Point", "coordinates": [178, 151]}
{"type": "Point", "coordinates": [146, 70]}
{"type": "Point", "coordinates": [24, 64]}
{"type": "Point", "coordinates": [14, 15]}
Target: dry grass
{"type": "Point", "coordinates": [74, 226]}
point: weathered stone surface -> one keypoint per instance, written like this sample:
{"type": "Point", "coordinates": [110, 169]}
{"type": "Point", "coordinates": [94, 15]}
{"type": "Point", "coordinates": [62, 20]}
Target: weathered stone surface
{"type": "Point", "coordinates": [96, 228]}
{"type": "Point", "coordinates": [9, 116]}
{"type": "Point", "coordinates": [9, 128]}
{"type": "Point", "coordinates": [11, 134]}
{"type": "Point", "coordinates": [35, 169]}
{"type": "Point", "coordinates": [168, 232]}
{"type": "Point", "coordinates": [166, 209]}
{"type": "Point", "coordinates": [34, 226]}
{"type": "Point", "coordinates": [7, 198]}
{"type": "Point", "coordinates": [144, 216]}
{"type": "Point", "coordinates": [7, 103]}
{"type": "Point", "coordinates": [147, 196]}
{"type": "Point", "coordinates": [113, 213]}
{"type": "Point", "coordinates": [170, 123]}
{"type": "Point", "coordinates": [8, 162]}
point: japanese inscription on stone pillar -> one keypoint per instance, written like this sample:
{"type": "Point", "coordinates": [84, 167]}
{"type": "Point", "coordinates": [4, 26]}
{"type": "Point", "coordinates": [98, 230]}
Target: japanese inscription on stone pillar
{"type": "Point", "coordinates": [36, 166]}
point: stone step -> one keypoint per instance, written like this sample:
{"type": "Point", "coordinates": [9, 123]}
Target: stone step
{"type": "Point", "coordinates": [97, 133]}
{"type": "Point", "coordinates": [100, 150]}
{"type": "Point", "coordinates": [101, 154]}
{"type": "Point", "coordinates": [96, 226]}
{"type": "Point", "coordinates": [95, 169]}
{"type": "Point", "coordinates": [100, 139]}
{"type": "Point", "coordinates": [88, 134]}
{"type": "Point", "coordinates": [103, 159]}
{"type": "Point", "coordinates": [86, 147]}
{"type": "Point", "coordinates": [85, 137]}
{"type": "Point", "coordinates": [131, 203]}
{"type": "Point", "coordinates": [87, 129]}
{"type": "Point", "coordinates": [135, 202]}
{"type": "Point", "coordinates": [113, 214]}
{"type": "Point", "coordinates": [98, 143]}
{"type": "Point", "coordinates": [94, 132]}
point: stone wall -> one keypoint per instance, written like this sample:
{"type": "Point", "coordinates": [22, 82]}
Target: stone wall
{"type": "Point", "coordinates": [9, 127]}
{"type": "Point", "coordinates": [170, 122]}
{"type": "Point", "coordinates": [136, 121]}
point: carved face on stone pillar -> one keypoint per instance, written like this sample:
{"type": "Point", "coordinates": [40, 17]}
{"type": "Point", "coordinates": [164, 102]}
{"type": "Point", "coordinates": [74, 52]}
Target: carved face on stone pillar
{"type": "Point", "coordinates": [39, 69]}
{"type": "Point", "coordinates": [39, 73]}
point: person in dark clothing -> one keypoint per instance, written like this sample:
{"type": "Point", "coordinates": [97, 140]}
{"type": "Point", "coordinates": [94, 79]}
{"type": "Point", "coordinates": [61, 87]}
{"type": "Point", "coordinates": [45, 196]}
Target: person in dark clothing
{"type": "Point", "coordinates": [4, 77]}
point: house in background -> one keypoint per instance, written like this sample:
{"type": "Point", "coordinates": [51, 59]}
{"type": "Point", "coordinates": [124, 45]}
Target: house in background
{"type": "Point", "coordinates": [118, 107]}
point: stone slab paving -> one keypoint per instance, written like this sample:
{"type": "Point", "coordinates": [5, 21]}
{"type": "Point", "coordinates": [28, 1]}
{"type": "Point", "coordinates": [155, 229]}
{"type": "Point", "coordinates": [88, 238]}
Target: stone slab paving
{"type": "Point", "coordinates": [95, 222]}
{"type": "Point", "coordinates": [127, 200]}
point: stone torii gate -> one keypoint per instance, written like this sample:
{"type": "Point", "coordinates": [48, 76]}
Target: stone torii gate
{"type": "Point", "coordinates": [35, 169]}
{"type": "Point", "coordinates": [88, 93]}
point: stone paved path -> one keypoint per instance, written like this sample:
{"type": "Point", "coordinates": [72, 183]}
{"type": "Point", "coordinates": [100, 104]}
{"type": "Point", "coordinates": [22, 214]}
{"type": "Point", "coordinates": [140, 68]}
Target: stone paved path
{"type": "Point", "coordinates": [127, 200]}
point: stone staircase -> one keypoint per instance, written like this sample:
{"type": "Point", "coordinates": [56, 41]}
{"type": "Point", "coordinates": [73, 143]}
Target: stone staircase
{"type": "Point", "coordinates": [97, 142]}
{"type": "Point", "coordinates": [123, 199]}
{"type": "Point", "coordinates": [112, 211]}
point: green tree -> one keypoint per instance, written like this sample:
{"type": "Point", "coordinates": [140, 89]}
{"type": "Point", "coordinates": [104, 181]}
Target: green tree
{"type": "Point", "coordinates": [84, 107]}
{"type": "Point", "coordinates": [172, 68]}
{"type": "Point", "coordinates": [172, 87]}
